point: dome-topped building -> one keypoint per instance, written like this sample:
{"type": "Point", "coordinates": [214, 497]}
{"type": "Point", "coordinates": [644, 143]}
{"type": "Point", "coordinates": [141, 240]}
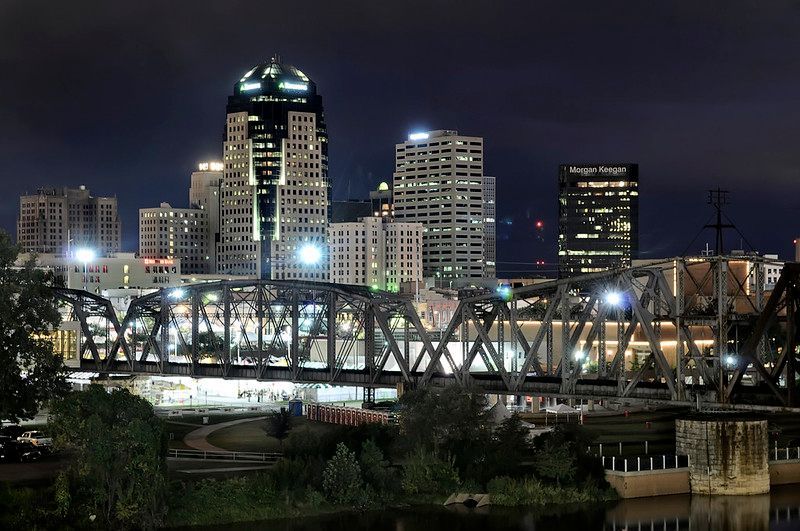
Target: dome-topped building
{"type": "Point", "coordinates": [275, 194]}
{"type": "Point", "coordinates": [275, 78]}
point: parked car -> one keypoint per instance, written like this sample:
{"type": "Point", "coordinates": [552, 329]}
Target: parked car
{"type": "Point", "coordinates": [12, 430]}
{"type": "Point", "coordinates": [36, 438]}
{"type": "Point", "coordinates": [16, 452]}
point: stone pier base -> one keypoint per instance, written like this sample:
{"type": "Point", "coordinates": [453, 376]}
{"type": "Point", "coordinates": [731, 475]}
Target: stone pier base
{"type": "Point", "coordinates": [727, 455]}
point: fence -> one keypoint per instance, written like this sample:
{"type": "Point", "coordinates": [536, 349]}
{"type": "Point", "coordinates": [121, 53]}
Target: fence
{"type": "Point", "coordinates": [261, 457]}
{"type": "Point", "coordinates": [638, 464]}
{"type": "Point", "coordinates": [784, 454]}
{"type": "Point", "coordinates": [348, 416]}
{"type": "Point", "coordinates": [616, 448]}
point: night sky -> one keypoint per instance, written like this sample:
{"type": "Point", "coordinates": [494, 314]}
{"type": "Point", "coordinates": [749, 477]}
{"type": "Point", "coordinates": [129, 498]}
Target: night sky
{"type": "Point", "coordinates": [126, 97]}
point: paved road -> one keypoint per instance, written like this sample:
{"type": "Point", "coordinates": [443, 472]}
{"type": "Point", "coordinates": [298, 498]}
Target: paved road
{"type": "Point", "coordinates": [35, 472]}
{"type": "Point", "coordinates": [197, 439]}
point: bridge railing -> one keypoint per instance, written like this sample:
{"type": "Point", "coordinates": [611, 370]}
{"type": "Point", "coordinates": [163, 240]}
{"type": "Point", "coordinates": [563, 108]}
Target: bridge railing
{"type": "Point", "coordinates": [646, 463]}
{"type": "Point", "coordinates": [785, 454]}
{"type": "Point", "coordinates": [347, 416]}
{"type": "Point", "coordinates": [262, 457]}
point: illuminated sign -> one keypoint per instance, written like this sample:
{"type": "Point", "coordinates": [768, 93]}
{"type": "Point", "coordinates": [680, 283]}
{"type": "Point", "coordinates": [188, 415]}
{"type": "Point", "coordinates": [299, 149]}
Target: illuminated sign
{"type": "Point", "coordinates": [212, 166]}
{"type": "Point", "coordinates": [418, 136]}
{"type": "Point", "coordinates": [615, 171]}
{"type": "Point", "coordinates": [150, 261]}
{"type": "Point", "coordinates": [288, 85]}
{"type": "Point", "coordinates": [251, 86]}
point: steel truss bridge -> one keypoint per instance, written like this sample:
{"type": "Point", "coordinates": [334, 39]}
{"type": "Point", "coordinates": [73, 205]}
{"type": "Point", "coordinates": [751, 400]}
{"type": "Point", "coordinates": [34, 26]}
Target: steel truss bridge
{"type": "Point", "coordinates": [685, 331]}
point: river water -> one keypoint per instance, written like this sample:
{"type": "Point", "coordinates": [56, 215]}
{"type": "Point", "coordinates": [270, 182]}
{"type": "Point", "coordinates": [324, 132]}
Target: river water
{"type": "Point", "coordinates": [777, 511]}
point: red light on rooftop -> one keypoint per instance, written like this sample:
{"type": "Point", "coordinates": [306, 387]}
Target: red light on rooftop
{"type": "Point", "coordinates": [539, 224]}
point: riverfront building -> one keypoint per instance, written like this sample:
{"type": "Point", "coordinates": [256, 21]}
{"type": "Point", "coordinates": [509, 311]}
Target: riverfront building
{"type": "Point", "coordinates": [598, 214]}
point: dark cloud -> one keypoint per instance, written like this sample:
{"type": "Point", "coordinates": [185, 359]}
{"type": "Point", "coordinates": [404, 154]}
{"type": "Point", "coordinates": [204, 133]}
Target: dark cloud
{"type": "Point", "coordinates": [126, 96]}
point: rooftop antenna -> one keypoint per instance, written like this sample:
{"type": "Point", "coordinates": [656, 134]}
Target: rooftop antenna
{"type": "Point", "coordinates": [718, 198]}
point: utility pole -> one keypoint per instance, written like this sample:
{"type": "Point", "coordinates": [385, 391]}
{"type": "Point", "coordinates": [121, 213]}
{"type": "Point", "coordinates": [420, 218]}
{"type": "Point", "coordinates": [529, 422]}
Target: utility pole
{"type": "Point", "coordinates": [718, 198]}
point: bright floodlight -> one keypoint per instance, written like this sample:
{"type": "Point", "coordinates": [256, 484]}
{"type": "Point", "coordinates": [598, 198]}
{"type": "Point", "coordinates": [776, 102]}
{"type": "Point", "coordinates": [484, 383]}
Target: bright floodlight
{"type": "Point", "coordinates": [614, 298]}
{"type": "Point", "coordinates": [309, 254]}
{"type": "Point", "coordinates": [85, 255]}
{"type": "Point", "coordinates": [177, 293]}
{"type": "Point", "coordinates": [730, 360]}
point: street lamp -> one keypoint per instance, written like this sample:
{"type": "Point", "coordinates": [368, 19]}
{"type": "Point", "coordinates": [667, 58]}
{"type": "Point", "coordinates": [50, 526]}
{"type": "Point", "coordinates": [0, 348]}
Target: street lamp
{"type": "Point", "coordinates": [85, 255]}
{"type": "Point", "coordinates": [309, 254]}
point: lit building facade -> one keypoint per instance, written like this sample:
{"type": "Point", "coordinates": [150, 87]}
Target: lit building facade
{"type": "Point", "coordinates": [204, 193]}
{"type": "Point", "coordinates": [438, 181]}
{"type": "Point", "coordinates": [490, 226]}
{"type": "Point", "coordinates": [120, 271]}
{"type": "Point", "coordinates": [376, 252]}
{"type": "Point", "coordinates": [275, 192]}
{"type": "Point", "coordinates": [598, 217]}
{"type": "Point", "coordinates": [60, 220]}
{"type": "Point", "coordinates": [166, 232]}
{"type": "Point", "coordinates": [381, 199]}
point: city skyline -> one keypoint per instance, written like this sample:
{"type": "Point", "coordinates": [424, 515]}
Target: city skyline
{"type": "Point", "coordinates": [675, 103]}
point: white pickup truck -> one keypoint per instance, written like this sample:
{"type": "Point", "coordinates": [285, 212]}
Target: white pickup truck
{"type": "Point", "coordinates": [36, 438]}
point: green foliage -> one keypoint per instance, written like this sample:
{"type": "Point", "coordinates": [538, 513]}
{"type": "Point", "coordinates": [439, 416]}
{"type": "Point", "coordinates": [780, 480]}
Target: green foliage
{"type": "Point", "coordinates": [298, 473]}
{"type": "Point", "coordinates": [509, 448]}
{"type": "Point", "coordinates": [426, 473]}
{"type": "Point", "coordinates": [341, 479]}
{"type": "Point", "coordinates": [377, 473]}
{"type": "Point", "coordinates": [24, 508]}
{"type": "Point", "coordinates": [528, 491]}
{"type": "Point", "coordinates": [561, 456]}
{"type": "Point", "coordinates": [279, 424]}
{"type": "Point", "coordinates": [62, 494]}
{"type": "Point", "coordinates": [555, 461]}
{"type": "Point", "coordinates": [30, 373]}
{"type": "Point", "coordinates": [450, 422]}
{"type": "Point", "coordinates": [119, 455]}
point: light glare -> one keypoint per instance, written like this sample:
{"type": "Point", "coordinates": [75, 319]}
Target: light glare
{"type": "Point", "coordinates": [309, 254]}
{"type": "Point", "coordinates": [85, 254]}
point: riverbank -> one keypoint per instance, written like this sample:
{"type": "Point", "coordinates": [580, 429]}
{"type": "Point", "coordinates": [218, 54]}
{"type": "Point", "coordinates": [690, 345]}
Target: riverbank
{"type": "Point", "coordinates": [257, 497]}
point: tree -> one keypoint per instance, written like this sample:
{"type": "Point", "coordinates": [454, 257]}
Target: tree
{"type": "Point", "coordinates": [30, 373]}
{"type": "Point", "coordinates": [450, 422]}
{"type": "Point", "coordinates": [510, 447]}
{"type": "Point", "coordinates": [279, 424]}
{"type": "Point", "coordinates": [426, 473]}
{"type": "Point", "coordinates": [119, 448]}
{"type": "Point", "coordinates": [556, 462]}
{"type": "Point", "coordinates": [341, 479]}
{"type": "Point", "coordinates": [374, 467]}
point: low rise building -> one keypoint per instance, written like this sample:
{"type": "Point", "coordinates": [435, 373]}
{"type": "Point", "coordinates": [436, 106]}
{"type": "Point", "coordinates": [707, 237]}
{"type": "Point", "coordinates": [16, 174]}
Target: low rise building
{"type": "Point", "coordinates": [119, 271]}
{"type": "Point", "coordinates": [375, 252]}
{"type": "Point", "coordinates": [169, 233]}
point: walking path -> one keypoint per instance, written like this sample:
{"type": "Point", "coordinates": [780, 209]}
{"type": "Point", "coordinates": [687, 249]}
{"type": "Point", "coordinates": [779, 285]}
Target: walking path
{"type": "Point", "coordinates": [197, 439]}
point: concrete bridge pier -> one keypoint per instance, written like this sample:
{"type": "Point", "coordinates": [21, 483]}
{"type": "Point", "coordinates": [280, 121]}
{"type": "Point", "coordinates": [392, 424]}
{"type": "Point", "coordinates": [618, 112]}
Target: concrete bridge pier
{"type": "Point", "coordinates": [728, 453]}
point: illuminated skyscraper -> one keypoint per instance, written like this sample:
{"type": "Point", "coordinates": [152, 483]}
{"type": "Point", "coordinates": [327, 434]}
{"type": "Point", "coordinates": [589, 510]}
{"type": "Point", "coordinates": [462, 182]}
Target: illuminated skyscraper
{"type": "Point", "coordinates": [275, 188]}
{"type": "Point", "coordinates": [439, 182]}
{"type": "Point", "coordinates": [598, 213]}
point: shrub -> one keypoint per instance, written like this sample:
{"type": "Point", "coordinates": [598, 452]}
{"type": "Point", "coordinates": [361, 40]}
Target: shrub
{"type": "Point", "coordinates": [425, 473]}
{"type": "Point", "coordinates": [341, 479]}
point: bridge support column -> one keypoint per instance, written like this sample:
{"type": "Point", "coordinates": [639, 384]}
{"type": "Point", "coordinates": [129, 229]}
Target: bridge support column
{"type": "Point", "coordinates": [727, 453]}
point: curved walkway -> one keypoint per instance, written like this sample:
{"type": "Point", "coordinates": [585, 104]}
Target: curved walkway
{"type": "Point", "coordinates": [197, 439]}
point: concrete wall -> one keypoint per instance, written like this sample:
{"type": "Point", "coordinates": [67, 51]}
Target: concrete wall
{"type": "Point", "coordinates": [784, 472]}
{"type": "Point", "coordinates": [649, 483]}
{"type": "Point", "coordinates": [726, 456]}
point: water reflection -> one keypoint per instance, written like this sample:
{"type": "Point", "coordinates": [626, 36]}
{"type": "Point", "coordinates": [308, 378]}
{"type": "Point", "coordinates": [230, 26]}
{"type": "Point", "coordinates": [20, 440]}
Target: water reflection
{"type": "Point", "coordinates": [777, 511]}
